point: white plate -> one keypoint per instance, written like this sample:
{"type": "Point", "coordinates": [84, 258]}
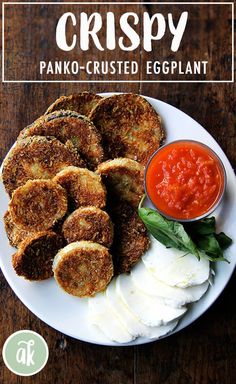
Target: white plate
{"type": "Point", "coordinates": [68, 314]}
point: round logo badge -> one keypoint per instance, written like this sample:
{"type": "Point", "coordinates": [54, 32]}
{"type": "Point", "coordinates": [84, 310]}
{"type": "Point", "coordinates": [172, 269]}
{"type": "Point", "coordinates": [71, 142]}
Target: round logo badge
{"type": "Point", "coordinates": [25, 353]}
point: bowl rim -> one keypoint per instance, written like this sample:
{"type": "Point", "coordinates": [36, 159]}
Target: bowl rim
{"type": "Point", "coordinates": [220, 197]}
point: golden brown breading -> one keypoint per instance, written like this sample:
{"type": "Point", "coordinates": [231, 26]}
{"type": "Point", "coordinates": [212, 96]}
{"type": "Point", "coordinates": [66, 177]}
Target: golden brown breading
{"type": "Point", "coordinates": [38, 205]}
{"type": "Point", "coordinates": [89, 223]}
{"type": "Point", "coordinates": [34, 258]}
{"type": "Point", "coordinates": [130, 237]}
{"type": "Point", "coordinates": [129, 125]}
{"type": "Point", "coordinates": [82, 103]}
{"type": "Point", "coordinates": [15, 235]}
{"type": "Point", "coordinates": [83, 268]}
{"type": "Point", "coordinates": [36, 157]}
{"type": "Point", "coordinates": [83, 187]}
{"type": "Point", "coordinates": [123, 178]}
{"type": "Point", "coordinates": [73, 129]}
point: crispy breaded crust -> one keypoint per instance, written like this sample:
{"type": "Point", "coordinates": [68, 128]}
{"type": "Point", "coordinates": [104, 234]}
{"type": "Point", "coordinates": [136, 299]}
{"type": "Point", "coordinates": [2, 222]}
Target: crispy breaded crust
{"type": "Point", "coordinates": [123, 178]}
{"type": "Point", "coordinates": [71, 128]}
{"type": "Point", "coordinates": [83, 187]}
{"type": "Point", "coordinates": [130, 237]}
{"type": "Point", "coordinates": [34, 258]}
{"type": "Point", "coordinates": [82, 103]}
{"type": "Point", "coordinates": [89, 223]}
{"type": "Point", "coordinates": [83, 268]}
{"type": "Point", "coordinates": [38, 205]}
{"type": "Point", "coordinates": [129, 125]}
{"type": "Point", "coordinates": [36, 157]}
{"type": "Point", "coordinates": [15, 235]}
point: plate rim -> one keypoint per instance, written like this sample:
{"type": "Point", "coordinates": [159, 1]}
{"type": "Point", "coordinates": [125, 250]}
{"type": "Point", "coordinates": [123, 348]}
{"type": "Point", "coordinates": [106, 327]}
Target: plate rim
{"type": "Point", "coordinates": [139, 341]}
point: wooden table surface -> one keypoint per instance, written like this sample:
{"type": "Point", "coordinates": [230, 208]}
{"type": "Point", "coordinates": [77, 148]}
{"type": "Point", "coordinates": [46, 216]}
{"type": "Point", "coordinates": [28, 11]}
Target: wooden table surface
{"type": "Point", "coordinates": [205, 352]}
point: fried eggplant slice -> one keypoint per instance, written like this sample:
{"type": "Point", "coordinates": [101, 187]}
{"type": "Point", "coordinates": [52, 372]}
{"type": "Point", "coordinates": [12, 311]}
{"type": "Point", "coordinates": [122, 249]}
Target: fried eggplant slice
{"type": "Point", "coordinates": [15, 235]}
{"type": "Point", "coordinates": [72, 129]}
{"type": "Point", "coordinates": [36, 157]}
{"type": "Point", "coordinates": [88, 223]}
{"type": "Point", "coordinates": [129, 125]}
{"type": "Point", "coordinates": [34, 258]}
{"type": "Point", "coordinates": [130, 237]}
{"type": "Point", "coordinates": [82, 103]}
{"type": "Point", "coordinates": [83, 268]}
{"type": "Point", "coordinates": [83, 187]}
{"type": "Point", "coordinates": [123, 178]}
{"type": "Point", "coordinates": [38, 205]}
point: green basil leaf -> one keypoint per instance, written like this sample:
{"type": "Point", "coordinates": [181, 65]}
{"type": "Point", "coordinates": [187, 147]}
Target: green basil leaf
{"type": "Point", "coordinates": [198, 238]}
{"type": "Point", "coordinates": [223, 240]}
{"type": "Point", "coordinates": [170, 233]}
{"type": "Point", "coordinates": [215, 259]}
{"type": "Point", "coordinates": [202, 227]}
{"type": "Point", "coordinates": [210, 246]}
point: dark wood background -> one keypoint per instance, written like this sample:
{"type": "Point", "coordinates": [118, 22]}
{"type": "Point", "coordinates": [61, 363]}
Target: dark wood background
{"type": "Point", "coordinates": [205, 352]}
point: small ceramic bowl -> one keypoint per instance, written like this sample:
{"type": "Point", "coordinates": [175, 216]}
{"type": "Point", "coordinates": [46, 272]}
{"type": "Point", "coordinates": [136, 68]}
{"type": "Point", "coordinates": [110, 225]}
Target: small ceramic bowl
{"type": "Point", "coordinates": [220, 167]}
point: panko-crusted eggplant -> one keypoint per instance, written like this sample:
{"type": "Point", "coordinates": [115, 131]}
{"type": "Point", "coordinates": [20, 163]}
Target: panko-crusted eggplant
{"type": "Point", "coordinates": [15, 235]}
{"type": "Point", "coordinates": [129, 125]}
{"type": "Point", "coordinates": [130, 237]}
{"type": "Point", "coordinates": [38, 205]}
{"type": "Point", "coordinates": [83, 268]}
{"type": "Point", "coordinates": [34, 258]}
{"type": "Point", "coordinates": [83, 187]}
{"type": "Point", "coordinates": [88, 223]}
{"type": "Point", "coordinates": [82, 103]}
{"type": "Point", "coordinates": [124, 179]}
{"type": "Point", "coordinates": [36, 157]}
{"type": "Point", "coordinates": [71, 129]}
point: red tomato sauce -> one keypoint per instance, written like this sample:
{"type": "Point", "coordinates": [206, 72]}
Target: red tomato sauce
{"type": "Point", "coordinates": [184, 180]}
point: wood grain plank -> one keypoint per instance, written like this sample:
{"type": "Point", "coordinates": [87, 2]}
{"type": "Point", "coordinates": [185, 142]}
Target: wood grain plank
{"type": "Point", "coordinates": [204, 353]}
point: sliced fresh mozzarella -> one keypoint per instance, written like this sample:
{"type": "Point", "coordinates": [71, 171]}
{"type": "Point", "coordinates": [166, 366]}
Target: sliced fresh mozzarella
{"type": "Point", "coordinates": [161, 330]}
{"type": "Point", "coordinates": [174, 267]}
{"type": "Point", "coordinates": [174, 296]}
{"type": "Point", "coordinates": [130, 321]}
{"type": "Point", "coordinates": [102, 315]}
{"type": "Point", "coordinates": [150, 310]}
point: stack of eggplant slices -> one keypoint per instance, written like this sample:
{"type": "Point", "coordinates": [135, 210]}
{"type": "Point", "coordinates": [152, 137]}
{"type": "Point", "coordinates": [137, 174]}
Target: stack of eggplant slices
{"type": "Point", "coordinates": [75, 178]}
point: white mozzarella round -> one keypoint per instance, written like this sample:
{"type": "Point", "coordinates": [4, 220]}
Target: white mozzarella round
{"type": "Point", "coordinates": [174, 296]}
{"type": "Point", "coordinates": [128, 319]}
{"type": "Point", "coordinates": [150, 310]}
{"type": "Point", "coordinates": [174, 267]}
{"type": "Point", "coordinates": [161, 330]}
{"type": "Point", "coordinates": [102, 315]}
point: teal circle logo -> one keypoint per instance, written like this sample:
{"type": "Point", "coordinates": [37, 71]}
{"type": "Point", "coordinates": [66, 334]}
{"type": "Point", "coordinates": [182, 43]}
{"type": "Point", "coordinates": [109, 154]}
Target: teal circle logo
{"type": "Point", "coordinates": [25, 353]}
